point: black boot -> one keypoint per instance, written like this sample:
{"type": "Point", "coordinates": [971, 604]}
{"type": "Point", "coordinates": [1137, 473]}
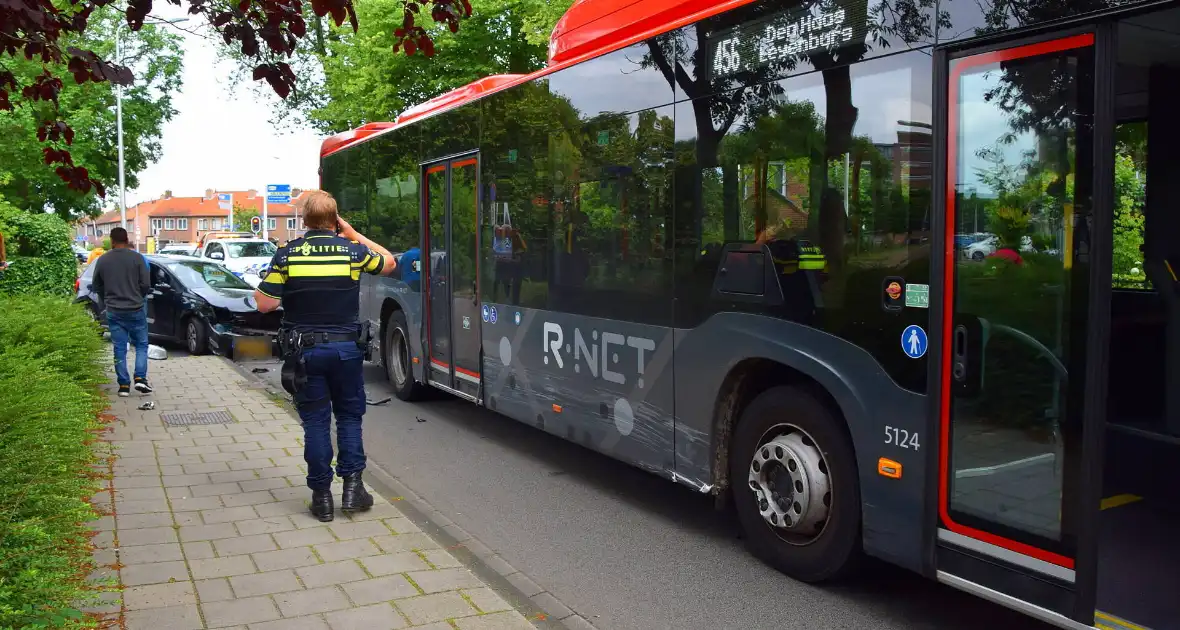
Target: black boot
{"type": "Point", "coordinates": [355, 498]}
{"type": "Point", "coordinates": [322, 506]}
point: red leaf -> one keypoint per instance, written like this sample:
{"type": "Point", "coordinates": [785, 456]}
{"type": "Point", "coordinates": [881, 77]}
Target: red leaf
{"type": "Point", "coordinates": [408, 21]}
{"type": "Point", "coordinates": [427, 45]}
{"type": "Point", "coordinates": [243, 5]}
{"type": "Point", "coordinates": [454, 26]}
{"type": "Point", "coordinates": [411, 47]}
{"type": "Point", "coordinates": [221, 19]}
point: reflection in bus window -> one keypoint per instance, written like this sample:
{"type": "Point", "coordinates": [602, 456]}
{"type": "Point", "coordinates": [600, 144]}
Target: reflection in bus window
{"type": "Point", "coordinates": [843, 186]}
{"type": "Point", "coordinates": [1017, 126]}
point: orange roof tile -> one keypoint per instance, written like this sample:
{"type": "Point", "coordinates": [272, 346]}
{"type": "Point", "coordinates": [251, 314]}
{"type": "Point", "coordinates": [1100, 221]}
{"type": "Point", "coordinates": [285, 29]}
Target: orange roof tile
{"type": "Point", "coordinates": [196, 207]}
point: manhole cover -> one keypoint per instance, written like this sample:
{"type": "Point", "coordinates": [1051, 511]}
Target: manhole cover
{"type": "Point", "coordinates": [185, 418]}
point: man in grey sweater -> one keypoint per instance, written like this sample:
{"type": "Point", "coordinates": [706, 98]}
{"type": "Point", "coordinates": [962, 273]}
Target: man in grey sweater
{"type": "Point", "coordinates": [121, 282]}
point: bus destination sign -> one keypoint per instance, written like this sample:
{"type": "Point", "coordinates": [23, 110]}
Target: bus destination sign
{"type": "Point", "coordinates": [781, 37]}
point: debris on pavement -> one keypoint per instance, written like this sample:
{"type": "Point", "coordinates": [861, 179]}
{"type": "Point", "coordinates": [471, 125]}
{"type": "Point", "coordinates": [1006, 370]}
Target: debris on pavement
{"type": "Point", "coordinates": [147, 406]}
{"type": "Point", "coordinates": [157, 353]}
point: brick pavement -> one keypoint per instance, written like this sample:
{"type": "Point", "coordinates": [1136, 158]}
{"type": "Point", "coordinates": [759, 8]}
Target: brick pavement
{"type": "Point", "coordinates": [210, 527]}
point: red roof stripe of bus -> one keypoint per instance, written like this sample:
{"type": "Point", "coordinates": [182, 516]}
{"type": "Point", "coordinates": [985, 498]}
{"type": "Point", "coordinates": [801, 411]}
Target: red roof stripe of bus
{"type": "Point", "coordinates": [331, 144]}
{"type": "Point", "coordinates": [589, 29]}
{"type": "Point", "coordinates": [468, 92]}
{"type": "Point", "coordinates": [596, 26]}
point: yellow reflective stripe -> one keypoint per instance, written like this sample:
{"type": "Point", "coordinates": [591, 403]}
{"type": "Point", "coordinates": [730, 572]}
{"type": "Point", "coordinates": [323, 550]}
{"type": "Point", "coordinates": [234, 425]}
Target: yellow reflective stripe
{"type": "Point", "coordinates": [315, 258]}
{"type": "Point", "coordinates": [273, 297]}
{"type": "Point", "coordinates": [320, 271]}
{"type": "Point", "coordinates": [374, 262]}
{"type": "Point", "coordinates": [356, 274]}
{"type": "Point", "coordinates": [274, 277]}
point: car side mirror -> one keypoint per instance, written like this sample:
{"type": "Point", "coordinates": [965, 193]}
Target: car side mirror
{"type": "Point", "coordinates": [217, 256]}
{"type": "Point", "coordinates": [163, 286]}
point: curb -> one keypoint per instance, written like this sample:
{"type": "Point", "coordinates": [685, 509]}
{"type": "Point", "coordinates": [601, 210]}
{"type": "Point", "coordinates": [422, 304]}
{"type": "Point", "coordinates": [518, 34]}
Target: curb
{"type": "Point", "coordinates": [539, 606]}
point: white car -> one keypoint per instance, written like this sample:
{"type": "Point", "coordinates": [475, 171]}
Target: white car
{"type": "Point", "coordinates": [247, 258]}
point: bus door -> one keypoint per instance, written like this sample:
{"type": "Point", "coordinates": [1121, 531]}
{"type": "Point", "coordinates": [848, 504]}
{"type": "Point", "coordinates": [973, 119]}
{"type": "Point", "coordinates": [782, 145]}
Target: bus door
{"type": "Point", "coordinates": [451, 275]}
{"type": "Point", "coordinates": [1013, 413]}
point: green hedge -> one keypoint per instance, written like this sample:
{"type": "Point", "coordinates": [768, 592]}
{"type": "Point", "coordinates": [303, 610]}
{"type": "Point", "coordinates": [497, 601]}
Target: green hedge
{"type": "Point", "coordinates": [49, 404]}
{"type": "Point", "coordinates": [39, 251]}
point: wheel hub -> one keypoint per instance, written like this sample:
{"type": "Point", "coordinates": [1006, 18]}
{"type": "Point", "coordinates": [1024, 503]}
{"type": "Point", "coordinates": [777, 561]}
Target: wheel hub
{"type": "Point", "coordinates": [789, 479]}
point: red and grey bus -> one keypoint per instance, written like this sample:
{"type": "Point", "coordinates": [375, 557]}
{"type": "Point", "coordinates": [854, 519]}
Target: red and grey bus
{"type": "Point", "coordinates": [738, 244]}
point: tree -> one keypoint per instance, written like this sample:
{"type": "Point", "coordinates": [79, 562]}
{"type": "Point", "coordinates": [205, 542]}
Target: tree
{"type": "Point", "coordinates": [242, 216]}
{"type": "Point", "coordinates": [90, 109]}
{"type": "Point", "coordinates": [53, 34]}
{"type": "Point", "coordinates": [349, 79]}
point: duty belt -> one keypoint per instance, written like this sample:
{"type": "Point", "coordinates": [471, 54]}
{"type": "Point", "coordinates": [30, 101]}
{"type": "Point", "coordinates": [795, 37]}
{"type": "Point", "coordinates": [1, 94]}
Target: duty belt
{"type": "Point", "coordinates": [309, 339]}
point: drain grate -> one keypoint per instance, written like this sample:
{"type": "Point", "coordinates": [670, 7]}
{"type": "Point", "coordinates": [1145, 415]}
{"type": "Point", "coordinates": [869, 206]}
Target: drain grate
{"type": "Point", "coordinates": [186, 418]}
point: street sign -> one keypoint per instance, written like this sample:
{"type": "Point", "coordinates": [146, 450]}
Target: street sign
{"type": "Point", "coordinates": [225, 201]}
{"type": "Point", "coordinates": [278, 193]}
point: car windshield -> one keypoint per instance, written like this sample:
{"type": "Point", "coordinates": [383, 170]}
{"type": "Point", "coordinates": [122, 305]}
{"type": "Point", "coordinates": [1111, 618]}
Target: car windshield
{"type": "Point", "coordinates": [196, 274]}
{"type": "Point", "coordinates": [251, 249]}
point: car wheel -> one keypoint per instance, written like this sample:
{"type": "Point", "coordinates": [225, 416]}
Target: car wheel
{"type": "Point", "coordinates": [977, 256]}
{"type": "Point", "coordinates": [395, 352]}
{"type": "Point", "coordinates": [795, 485]}
{"type": "Point", "coordinates": [195, 336]}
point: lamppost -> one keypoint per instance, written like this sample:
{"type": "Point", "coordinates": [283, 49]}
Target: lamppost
{"type": "Point", "coordinates": [119, 122]}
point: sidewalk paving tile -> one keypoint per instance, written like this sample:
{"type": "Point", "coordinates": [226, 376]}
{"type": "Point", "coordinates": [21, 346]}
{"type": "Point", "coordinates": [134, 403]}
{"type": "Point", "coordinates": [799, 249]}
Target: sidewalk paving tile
{"type": "Point", "coordinates": [375, 617]}
{"type": "Point", "coordinates": [498, 621]}
{"type": "Point", "coordinates": [285, 559]}
{"type": "Point", "coordinates": [236, 611]}
{"type": "Point", "coordinates": [183, 617]}
{"type": "Point", "coordinates": [381, 589]}
{"type": "Point", "coordinates": [331, 573]}
{"type": "Point", "coordinates": [265, 583]}
{"type": "Point", "coordinates": [311, 601]}
{"type": "Point", "coordinates": [213, 529]}
{"type": "Point", "coordinates": [438, 607]}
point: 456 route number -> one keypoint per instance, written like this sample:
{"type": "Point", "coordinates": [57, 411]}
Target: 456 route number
{"type": "Point", "coordinates": [901, 437]}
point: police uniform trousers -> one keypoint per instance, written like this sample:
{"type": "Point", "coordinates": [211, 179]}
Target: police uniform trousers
{"type": "Point", "coordinates": [335, 385]}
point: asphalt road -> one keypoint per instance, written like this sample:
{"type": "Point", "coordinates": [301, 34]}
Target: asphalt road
{"type": "Point", "coordinates": [624, 548]}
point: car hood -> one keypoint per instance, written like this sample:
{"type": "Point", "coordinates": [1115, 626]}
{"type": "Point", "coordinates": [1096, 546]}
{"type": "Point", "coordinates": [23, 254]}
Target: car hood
{"type": "Point", "coordinates": [238, 300]}
{"type": "Point", "coordinates": [238, 264]}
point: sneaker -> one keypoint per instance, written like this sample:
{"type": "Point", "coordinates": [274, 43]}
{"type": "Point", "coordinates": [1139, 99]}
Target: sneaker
{"type": "Point", "coordinates": [141, 386]}
{"type": "Point", "coordinates": [124, 391]}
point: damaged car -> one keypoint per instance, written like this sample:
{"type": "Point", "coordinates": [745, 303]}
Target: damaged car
{"type": "Point", "coordinates": [202, 305]}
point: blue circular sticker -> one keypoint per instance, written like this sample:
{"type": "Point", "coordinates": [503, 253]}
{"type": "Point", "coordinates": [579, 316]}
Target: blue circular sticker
{"type": "Point", "coordinates": [913, 342]}
{"type": "Point", "coordinates": [485, 313]}
{"type": "Point", "coordinates": [494, 315]}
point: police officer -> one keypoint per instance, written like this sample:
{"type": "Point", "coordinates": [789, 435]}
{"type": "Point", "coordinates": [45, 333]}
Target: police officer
{"type": "Point", "coordinates": [316, 279]}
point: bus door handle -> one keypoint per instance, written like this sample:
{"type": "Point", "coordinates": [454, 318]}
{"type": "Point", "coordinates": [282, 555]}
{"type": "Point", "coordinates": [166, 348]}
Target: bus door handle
{"type": "Point", "coordinates": [959, 350]}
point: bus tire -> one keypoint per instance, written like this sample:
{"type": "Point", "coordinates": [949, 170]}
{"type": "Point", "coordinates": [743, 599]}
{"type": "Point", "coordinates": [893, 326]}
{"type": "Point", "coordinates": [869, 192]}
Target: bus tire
{"type": "Point", "coordinates": [396, 357]}
{"type": "Point", "coordinates": [791, 447]}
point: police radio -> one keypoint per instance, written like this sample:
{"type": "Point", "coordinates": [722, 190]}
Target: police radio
{"type": "Point", "coordinates": [256, 224]}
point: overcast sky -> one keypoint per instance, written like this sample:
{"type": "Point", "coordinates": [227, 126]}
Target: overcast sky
{"type": "Point", "coordinates": [221, 136]}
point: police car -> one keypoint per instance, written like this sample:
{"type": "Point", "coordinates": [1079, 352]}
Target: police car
{"type": "Point", "coordinates": [247, 258]}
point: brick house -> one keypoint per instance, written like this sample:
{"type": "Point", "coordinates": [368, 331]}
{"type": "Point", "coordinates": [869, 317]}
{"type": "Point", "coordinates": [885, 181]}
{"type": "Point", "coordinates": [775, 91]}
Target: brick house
{"type": "Point", "coordinates": [184, 219]}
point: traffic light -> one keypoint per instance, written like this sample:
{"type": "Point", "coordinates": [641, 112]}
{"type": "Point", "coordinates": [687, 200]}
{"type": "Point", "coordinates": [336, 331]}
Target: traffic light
{"type": "Point", "coordinates": [256, 224]}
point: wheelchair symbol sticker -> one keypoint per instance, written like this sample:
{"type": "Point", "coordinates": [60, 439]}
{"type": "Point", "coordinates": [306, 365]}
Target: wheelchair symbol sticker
{"type": "Point", "coordinates": [913, 342]}
{"type": "Point", "coordinates": [485, 313]}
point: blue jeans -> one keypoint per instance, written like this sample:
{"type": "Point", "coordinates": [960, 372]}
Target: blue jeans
{"type": "Point", "coordinates": [335, 383]}
{"type": "Point", "coordinates": [129, 327]}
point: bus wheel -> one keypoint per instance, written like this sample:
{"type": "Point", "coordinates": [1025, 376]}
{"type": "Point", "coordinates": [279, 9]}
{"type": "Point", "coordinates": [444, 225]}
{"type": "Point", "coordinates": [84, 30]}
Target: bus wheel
{"type": "Point", "coordinates": [396, 350]}
{"type": "Point", "coordinates": [795, 486]}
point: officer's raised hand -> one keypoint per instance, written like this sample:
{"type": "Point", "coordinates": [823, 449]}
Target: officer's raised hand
{"type": "Point", "coordinates": [389, 263]}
